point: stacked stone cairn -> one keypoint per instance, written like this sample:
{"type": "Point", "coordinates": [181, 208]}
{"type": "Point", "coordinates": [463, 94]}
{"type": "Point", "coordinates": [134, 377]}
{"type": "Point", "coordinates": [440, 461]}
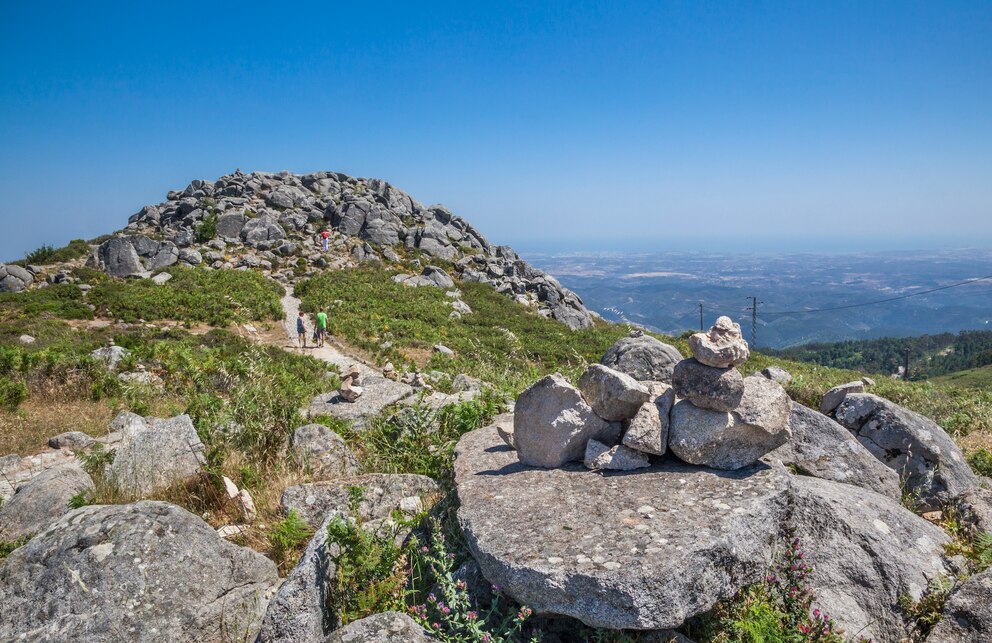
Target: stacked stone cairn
{"type": "Point", "coordinates": [350, 389]}
{"type": "Point", "coordinates": [708, 414]}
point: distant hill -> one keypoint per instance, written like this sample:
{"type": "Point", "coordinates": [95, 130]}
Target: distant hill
{"type": "Point", "coordinates": [929, 355]}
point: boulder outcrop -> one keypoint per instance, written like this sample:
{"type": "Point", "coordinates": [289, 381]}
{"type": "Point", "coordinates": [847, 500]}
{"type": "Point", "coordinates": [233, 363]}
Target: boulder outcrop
{"type": "Point", "coordinates": [155, 453]}
{"type": "Point", "coordinates": [967, 615]}
{"type": "Point", "coordinates": [925, 457]}
{"type": "Point", "coordinates": [324, 451]}
{"type": "Point", "coordinates": [643, 357]}
{"type": "Point", "coordinates": [104, 573]}
{"type": "Point", "coordinates": [382, 494]}
{"type": "Point", "coordinates": [41, 501]}
{"type": "Point", "coordinates": [643, 550]}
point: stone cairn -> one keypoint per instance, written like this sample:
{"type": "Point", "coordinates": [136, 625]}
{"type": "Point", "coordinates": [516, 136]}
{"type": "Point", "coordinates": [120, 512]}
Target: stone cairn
{"type": "Point", "coordinates": [707, 415]}
{"type": "Point", "coordinates": [350, 389]}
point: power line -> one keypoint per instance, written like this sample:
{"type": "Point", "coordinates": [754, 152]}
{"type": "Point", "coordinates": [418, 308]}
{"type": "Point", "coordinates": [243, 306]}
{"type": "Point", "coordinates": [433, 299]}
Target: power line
{"type": "Point", "coordinates": [877, 301]}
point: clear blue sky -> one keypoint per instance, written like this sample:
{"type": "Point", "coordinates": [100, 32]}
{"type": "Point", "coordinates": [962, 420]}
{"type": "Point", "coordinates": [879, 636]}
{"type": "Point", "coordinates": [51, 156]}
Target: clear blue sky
{"type": "Point", "coordinates": [565, 125]}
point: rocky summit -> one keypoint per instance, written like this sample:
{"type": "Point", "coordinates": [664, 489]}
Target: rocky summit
{"type": "Point", "coordinates": [260, 219]}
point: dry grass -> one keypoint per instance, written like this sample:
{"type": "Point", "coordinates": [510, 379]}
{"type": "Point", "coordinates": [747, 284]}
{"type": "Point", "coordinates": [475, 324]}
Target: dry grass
{"type": "Point", "coordinates": [26, 431]}
{"type": "Point", "coordinates": [975, 441]}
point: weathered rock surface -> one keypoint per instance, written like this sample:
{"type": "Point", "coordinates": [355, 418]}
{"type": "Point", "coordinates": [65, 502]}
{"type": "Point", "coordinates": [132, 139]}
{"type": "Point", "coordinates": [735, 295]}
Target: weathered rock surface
{"type": "Point", "coordinates": [777, 374]}
{"type": "Point", "coordinates": [377, 393]}
{"type": "Point", "coordinates": [323, 450]}
{"type": "Point", "coordinates": [117, 257]}
{"type": "Point", "coordinates": [975, 509]}
{"type": "Point", "coordinates": [648, 429]}
{"type": "Point", "coordinates": [717, 389]}
{"type": "Point", "coordinates": [643, 550]}
{"type": "Point", "coordinates": [866, 550]}
{"type": "Point", "coordinates": [967, 615]}
{"type": "Point", "coordinates": [930, 464]}
{"type": "Point", "coordinates": [110, 356]}
{"type": "Point", "coordinates": [154, 453]}
{"type": "Point", "coordinates": [832, 398]}
{"type": "Point", "coordinates": [299, 612]}
{"type": "Point", "coordinates": [613, 396]}
{"type": "Point", "coordinates": [383, 493]}
{"type": "Point", "coordinates": [643, 357]}
{"type": "Point", "coordinates": [719, 440]}
{"type": "Point", "coordinates": [147, 571]}
{"type": "Point", "coordinates": [764, 404]}
{"type": "Point", "coordinates": [41, 501]}
{"type": "Point", "coordinates": [385, 627]}
{"type": "Point", "coordinates": [619, 458]}
{"type": "Point", "coordinates": [722, 346]}
{"type": "Point", "coordinates": [13, 278]}
{"type": "Point", "coordinates": [824, 449]}
{"type": "Point", "coordinates": [75, 440]}
{"type": "Point", "coordinates": [552, 423]}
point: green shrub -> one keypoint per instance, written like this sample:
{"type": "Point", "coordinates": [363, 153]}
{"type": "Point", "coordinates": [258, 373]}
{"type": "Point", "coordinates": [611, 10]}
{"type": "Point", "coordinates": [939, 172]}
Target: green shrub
{"type": "Point", "coordinates": [12, 393]}
{"type": "Point", "coordinates": [46, 255]}
{"type": "Point", "coordinates": [287, 537]}
{"type": "Point", "coordinates": [928, 610]}
{"type": "Point", "coordinates": [370, 570]}
{"type": "Point", "coordinates": [217, 297]}
{"type": "Point", "coordinates": [981, 462]}
{"type": "Point", "coordinates": [64, 301]}
{"type": "Point", "coordinates": [7, 547]}
{"type": "Point", "coordinates": [207, 230]}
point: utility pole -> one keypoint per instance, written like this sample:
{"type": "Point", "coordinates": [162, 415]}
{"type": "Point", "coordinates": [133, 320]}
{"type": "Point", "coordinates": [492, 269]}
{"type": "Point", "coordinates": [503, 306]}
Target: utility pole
{"type": "Point", "coordinates": [701, 316]}
{"type": "Point", "coordinates": [754, 320]}
{"type": "Point", "coordinates": [905, 365]}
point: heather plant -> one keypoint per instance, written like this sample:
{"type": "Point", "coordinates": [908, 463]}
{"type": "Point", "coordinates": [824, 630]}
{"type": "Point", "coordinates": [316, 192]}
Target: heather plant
{"type": "Point", "coordinates": [448, 611]}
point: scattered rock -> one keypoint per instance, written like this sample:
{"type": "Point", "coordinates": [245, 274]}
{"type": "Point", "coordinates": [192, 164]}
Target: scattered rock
{"type": "Point", "coordinates": [832, 398]}
{"type": "Point", "coordinates": [504, 426]}
{"type": "Point", "coordinates": [155, 453]}
{"type": "Point", "coordinates": [110, 356]}
{"type": "Point", "coordinates": [324, 451]}
{"type": "Point", "coordinates": [931, 465]}
{"type": "Point", "coordinates": [717, 389]}
{"type": "Point", "coordinates": [648, 429]}
{"type": "Point", "coordinates": [26, 339]}
{"type": "Point", "coordinates": [644, 358]}
{"type": "Point", "coordinates": [613, 396]}
{"type": "Point", "coordinates": [967, 615]}
{"type": "Point", "coordinates": [552, 423]}
{"type": "Point", "coordinates": [75, 440]}
{"type": "Point", "coordinates": [105, 570]}
{"type": "Point", "coordinates": [565, 542]}
{"type": "Point", "coordinates": [41, 501]}
{"type": "Point", "coordinates": [13, 278]}
{"type": "Point", "coordinates": [444, 350]}
{"type": "Point", "coordinates": [777, 374]}
{"type": "Point", "coordinates": [722, 346]}
{"type": "Point", "coordinates": [377, 393]}
{"type": "Point", "coordinates": [385, 627]}
{"type": "Point", "coordinates": [824, 449]}
{"type": "Point", "coordinates": [382, 495]}
{"type": "Point", "coordinates": [866, 550]}
{"type": "Point", "coordinates": [975, 509]}
{"type": "Point", "coordinates": [765, 404]}
{"type": "Point", "coordinates": [618, 458]}
{"type": "Point", "coordinates": [161, 278]}
{"type": "Point", "coordinates": [717, 439]}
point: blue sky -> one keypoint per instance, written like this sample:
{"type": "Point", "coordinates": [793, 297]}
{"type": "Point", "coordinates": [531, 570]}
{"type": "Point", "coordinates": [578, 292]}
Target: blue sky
{"type": "Point", "coordinates": [831, 125]}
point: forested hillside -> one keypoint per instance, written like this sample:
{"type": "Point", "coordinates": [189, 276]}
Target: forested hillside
{"type": "Point", "coordinates": [929, 355]}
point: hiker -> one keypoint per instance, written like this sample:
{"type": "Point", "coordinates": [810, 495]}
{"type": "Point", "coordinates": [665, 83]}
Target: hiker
{"type": "Point", "coordinates": [301, 331]}
{"type": "Point", "coordinates": [324, 235]}
{"type": "Point", "coordinates": [321, 328]}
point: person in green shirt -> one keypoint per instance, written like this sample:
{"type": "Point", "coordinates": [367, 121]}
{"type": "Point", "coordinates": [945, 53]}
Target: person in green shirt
{"type": "Point", "coordinates": [321, 327]}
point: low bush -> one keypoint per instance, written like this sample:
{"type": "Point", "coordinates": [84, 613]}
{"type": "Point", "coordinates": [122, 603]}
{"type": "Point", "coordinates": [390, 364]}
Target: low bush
{"type": "Point", "coordinates": [46, 255]}
{"type": "Point", "coordinates": [288, 537]}
{"type": "Point", "coordinates": [63, 301]}
{"type": "Point", "coordinates": [217, 297]}
{"type": "Point", "coordinates": [12, 393]}
{"type": "Point", "coordinates": [981, 462]}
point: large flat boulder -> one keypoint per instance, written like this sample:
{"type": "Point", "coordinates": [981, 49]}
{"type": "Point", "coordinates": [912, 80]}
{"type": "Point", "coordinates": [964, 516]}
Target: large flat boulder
{"type": "Point", "coordinates": [866, 550]}
{"type": "Point", "coordinates": [643, 357]}
{"type": "Point", "coordinates": [117, 257]}
{"type": "Point", "coordinates": [639, 550]}
{"type": "Point", "coordinates": [552, 424]}
{"type": "Point", "coordinates": [824, 449]}
{"type": "Point", "coordinates": [925, 457]}
{"type": "Point", "coordinates": [41, 501]}
{"type": "Point", "coordinates": [147, 571]}
{"type": "Point", "coordinates": [377, 393]}
{"type": "Point", "coordinates": [967, 615]}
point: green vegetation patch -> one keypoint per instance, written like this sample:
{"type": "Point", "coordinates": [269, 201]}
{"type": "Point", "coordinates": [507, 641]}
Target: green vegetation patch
{"type": "Point", "coordinates": [216, 297]}
{"type": "Point", "coordinates": [47, 255]}
{"type": "Point", "coordinates": [501, 342]}
{"type": "Point", "coordinates": [62, 301]}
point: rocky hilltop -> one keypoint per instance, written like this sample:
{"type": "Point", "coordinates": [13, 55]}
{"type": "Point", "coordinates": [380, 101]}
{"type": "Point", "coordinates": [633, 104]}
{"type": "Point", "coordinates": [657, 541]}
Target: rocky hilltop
{"type": "Point", "coordinates": [272, 221]}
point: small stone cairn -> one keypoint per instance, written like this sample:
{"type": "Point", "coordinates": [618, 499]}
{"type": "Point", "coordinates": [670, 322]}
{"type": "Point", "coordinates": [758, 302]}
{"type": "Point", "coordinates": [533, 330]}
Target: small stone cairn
{"type": "Point", "coordinates": [708, 415]}
{"type": "Point", "coordinates": [350, 389]}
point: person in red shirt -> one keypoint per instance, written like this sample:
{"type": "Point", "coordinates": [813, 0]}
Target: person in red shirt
{"type": "Point", "coordinates": [324, 235]}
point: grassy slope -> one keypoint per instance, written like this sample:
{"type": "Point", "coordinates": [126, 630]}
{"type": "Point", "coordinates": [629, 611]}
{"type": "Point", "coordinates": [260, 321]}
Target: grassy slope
{"type": "Point", "coordinates": [975, 378]}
